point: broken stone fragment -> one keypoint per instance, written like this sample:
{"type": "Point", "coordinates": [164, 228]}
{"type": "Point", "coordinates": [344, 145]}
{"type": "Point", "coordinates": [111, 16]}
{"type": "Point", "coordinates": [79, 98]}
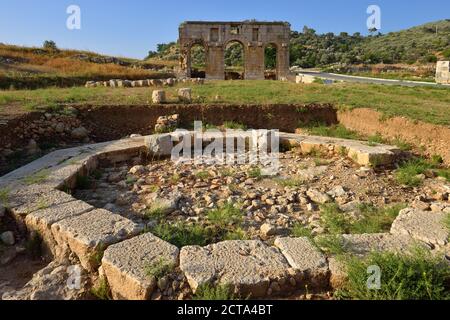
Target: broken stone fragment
{"type": "Point", "coordinates": [318, 197]}
{"type": "Point", "coordinates": [158, 96]}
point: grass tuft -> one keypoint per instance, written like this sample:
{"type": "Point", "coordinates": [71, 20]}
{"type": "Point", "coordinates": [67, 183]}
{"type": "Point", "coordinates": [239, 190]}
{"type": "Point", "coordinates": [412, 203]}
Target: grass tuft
{"type": "Point", "coordinates": [214, 293]}
{"type": "Point", "coordinates": [415, 276]}
{"type": "Point", "coordinates": [159, 268]}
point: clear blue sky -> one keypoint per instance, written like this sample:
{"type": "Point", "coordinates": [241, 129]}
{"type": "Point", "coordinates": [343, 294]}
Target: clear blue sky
{"type": "Point", "coordinates": [132, 27]}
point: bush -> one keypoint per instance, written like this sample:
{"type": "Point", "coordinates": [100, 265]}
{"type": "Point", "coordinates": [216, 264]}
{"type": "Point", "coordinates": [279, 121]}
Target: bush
{"type": "Point", "coordinates": [407, 173]}
{"type": "Point", "coordinates": [184, 235]}
{"type": "Point", "coordinates": [416, 276]}
{"type": "Point", "coordinates": [208, 292]}
{"type": "Point", "coordinates": [50, 45]}
{"type": "Point", "coordinates": [225, 215]}
{"type": "Point", "coordinates": [159, 268]}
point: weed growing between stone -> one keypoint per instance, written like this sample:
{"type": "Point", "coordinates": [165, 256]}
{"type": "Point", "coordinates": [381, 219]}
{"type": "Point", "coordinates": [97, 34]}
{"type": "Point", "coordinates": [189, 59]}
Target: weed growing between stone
{"type": "Point", "coordinates": [102, 290]}
{"type": "Point", "coordinates": [159, 269]}
{"type": "Point", "coordinates": [214, 293]}
{"type": "Point", "coordinates": [415, 276]}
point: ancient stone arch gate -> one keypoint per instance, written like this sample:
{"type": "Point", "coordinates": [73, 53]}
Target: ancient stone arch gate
{"type": "Point", "coordinates": [254, 37]}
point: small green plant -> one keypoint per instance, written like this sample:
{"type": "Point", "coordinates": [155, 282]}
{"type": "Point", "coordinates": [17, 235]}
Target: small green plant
{"type": "Point", "coordinates": [207, 292]}
{"type": "Point", "coordinates": [238, 234]}
{"type": "Point", "coordinates": [175, 178]}
{"type": "Point", "coordinates": [331, 244]}
{"type": "Point", "coordinates": [202, 175]}
{"type": "Point", "coordinates": [182, 235]}
{"type": "Point", "coordinates": [226, 215]}
{"type": "Point", "coordinates": [290, 182]}
{"type": "Point", "coordinates": [155, 212]}
{"type": "Point", "coordinates": [234, 125]}
{"type": "Point", "coordinates": [402, 145]}
{"type": "Point", "coordinates": [333, 219]}
{"type": "Point", "coordinates": [336, 131]}
{"type": "Point", "coordinates": [37, 177]}
{"type": "Point", "coordinates": [159, 269]}
{"type": "Point", "coordinates": [300, 231]}
{"type": "Point", "coordinates": [102, 290]}
{"type": "Point", "coordinates": [255, 173]}
{"type": "Point", "coordinates": [97, 256]}
{"type": "Point", "coordinates": [407, 173]}
{"type": "Point", "coordinates": [375, 220]}
{"type": "Point", "coordinates": [375, 140]}
{"type": "Point", "coordinates": [415, 276]}
{"type": "Point", "coordinates": [4, 195]}
{"type": "Point", "coordinates": [321, 162]}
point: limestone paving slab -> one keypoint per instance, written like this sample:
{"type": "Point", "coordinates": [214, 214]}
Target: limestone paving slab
{"type": "Point", "coordinates": [124, 265]}
{"type": "Point", "coordinates": [363, 244]}
{"type": "Point", "coordinates": [426, 226]}
{"type": "Point", "coordinates": [359, 151]}
{"type": "Point", "coordinates": [87, 235]}
{"type": "Point", "coordinates": [303, 256]}
{"type": "Point", "coordinates": [248, 266]}
{"type": "Point", "coordinates": [32, 198]}
{"type": "Point", "coordinates": [42, 220]}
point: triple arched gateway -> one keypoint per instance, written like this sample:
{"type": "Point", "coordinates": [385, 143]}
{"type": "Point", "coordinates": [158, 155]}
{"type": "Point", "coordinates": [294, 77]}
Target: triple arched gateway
{"type": "Point", "coordinates": [254, 37]}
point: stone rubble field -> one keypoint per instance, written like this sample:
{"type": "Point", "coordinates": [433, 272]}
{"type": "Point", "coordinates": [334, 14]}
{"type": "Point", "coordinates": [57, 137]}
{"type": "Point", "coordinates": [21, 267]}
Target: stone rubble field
{"type": "Point", "coordinates": [153, 230]}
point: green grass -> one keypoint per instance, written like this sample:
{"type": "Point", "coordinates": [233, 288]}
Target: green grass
{"type": "Point", "coordinates": [371, 219]}
{"type": "Point", "coordinates": [407, 173]}
{"type": "Point", "coordinates": [255, 173]}
{"type": "Point", "coordinates": [376, 139]}
{"type": "Point", "coordinates": [236, 234]}
{"type": "Point", "coordinates": [290, 182]}
{"type": "Point", "coordinates": [416, 276]}
{"type": "Point", "coordinates": [214, 293]}
{"type": "Point", "coordinates": [299, 231]}
{"type": "Point", "coordinates": [4, 194]}
{"type": "Point", "coordinates": [225, 216]}
{"type": "Point", "coordinates": [202, 175]}
{"type": "Point", "coordinates": [337, 131]}
{"type": "Point", "coordinates": [402, 145]}
{"type": "Point", "coordinates": [422, 103]}
{"type": "Point", "coordinates": [333, 219]}
{"type": "Point", "coordinates": [155, 212]}
{"type": "Point", "coordinates": [159, 269]}
{"type": "Point", "coordinates": [375, 220]}
{"type": "Point", "coordinates": [234, 125]}
{"type": "Point", "coordinates": [36, 178]}
{"type": "Point", "coordinates": [102, 290]}
{"type": "Point", "coordinates": [331, 244]}
{"type": "Point", "coordinates": [182, 235]}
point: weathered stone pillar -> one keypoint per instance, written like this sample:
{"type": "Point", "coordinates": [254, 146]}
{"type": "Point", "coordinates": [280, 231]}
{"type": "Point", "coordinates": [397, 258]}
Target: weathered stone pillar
{"type": "Point", "coordinates": [215, 63]}
{"type": "Point", "coordinates": [282, 60]}
{"type": "Point", "coordinates": [254, 62]}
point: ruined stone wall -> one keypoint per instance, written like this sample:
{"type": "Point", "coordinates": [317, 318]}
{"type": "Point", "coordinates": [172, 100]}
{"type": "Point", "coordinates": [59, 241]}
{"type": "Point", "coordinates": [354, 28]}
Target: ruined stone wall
{"type": "Point", "coordinates": [254, 37]}
{"type": "Point", "coordinates": [443, 72]}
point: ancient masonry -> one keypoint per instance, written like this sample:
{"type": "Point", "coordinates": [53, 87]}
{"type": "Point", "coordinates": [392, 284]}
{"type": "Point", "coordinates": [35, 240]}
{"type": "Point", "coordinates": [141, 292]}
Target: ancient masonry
{"type": "Point", "coordinates": [443, 72]}
{"type": "Point", "coordinates": [72, 227]}
{"type": "Point", "coordinates": [254, 37]}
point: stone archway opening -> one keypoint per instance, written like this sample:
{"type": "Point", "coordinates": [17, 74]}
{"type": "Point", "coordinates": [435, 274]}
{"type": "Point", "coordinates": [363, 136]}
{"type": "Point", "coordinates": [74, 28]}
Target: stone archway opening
{"type": "Point", "coordinates": [271, 62]}
{"type": "Point", "coordinates": [198, 61]}
{"type": "Point", "coordinates": [234, 59]}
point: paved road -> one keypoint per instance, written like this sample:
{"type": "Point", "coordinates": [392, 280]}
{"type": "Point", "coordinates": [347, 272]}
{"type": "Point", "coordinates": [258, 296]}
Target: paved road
{"type": "Point", "coordinates": [340, 77]}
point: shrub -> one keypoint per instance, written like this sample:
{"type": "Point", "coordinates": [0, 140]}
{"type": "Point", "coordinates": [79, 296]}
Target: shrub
{"type": "Point", "coordinates": [331, 244]}
{"type": "Point", "coordinates": [408, 171]}
{"type": "Point", "coordinates": [208, 292]}
{"type": "Point", "coordinates": [375, 220]}
{"type": "Point", "coordinates": [102, 291]}
{"type": "Point", "coordinates": [333, 219]}
{"type": "Point", "coordinates": [415, 276]}
{"type": "Point", "coordinates": [299, 231]}
{"type": "Point", "coordinates": [159, 268]}
{"type": "Point", "coordinates": [225, 215]}
{"type": "Point", "coordinates": [183, 235]}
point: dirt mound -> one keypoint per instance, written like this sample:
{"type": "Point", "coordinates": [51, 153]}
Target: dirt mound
{"type": "Point", "coordinates": [433, 139]}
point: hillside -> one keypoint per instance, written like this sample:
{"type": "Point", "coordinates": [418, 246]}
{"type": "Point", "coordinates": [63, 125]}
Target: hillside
{"type": "Point", "coordinates": [24, 67]}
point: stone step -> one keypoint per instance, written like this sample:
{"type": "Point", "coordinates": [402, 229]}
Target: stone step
{"type": "Point", "coordinates": [125, 263]}
{"type": "Point", "coordinates": [89, 234]}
